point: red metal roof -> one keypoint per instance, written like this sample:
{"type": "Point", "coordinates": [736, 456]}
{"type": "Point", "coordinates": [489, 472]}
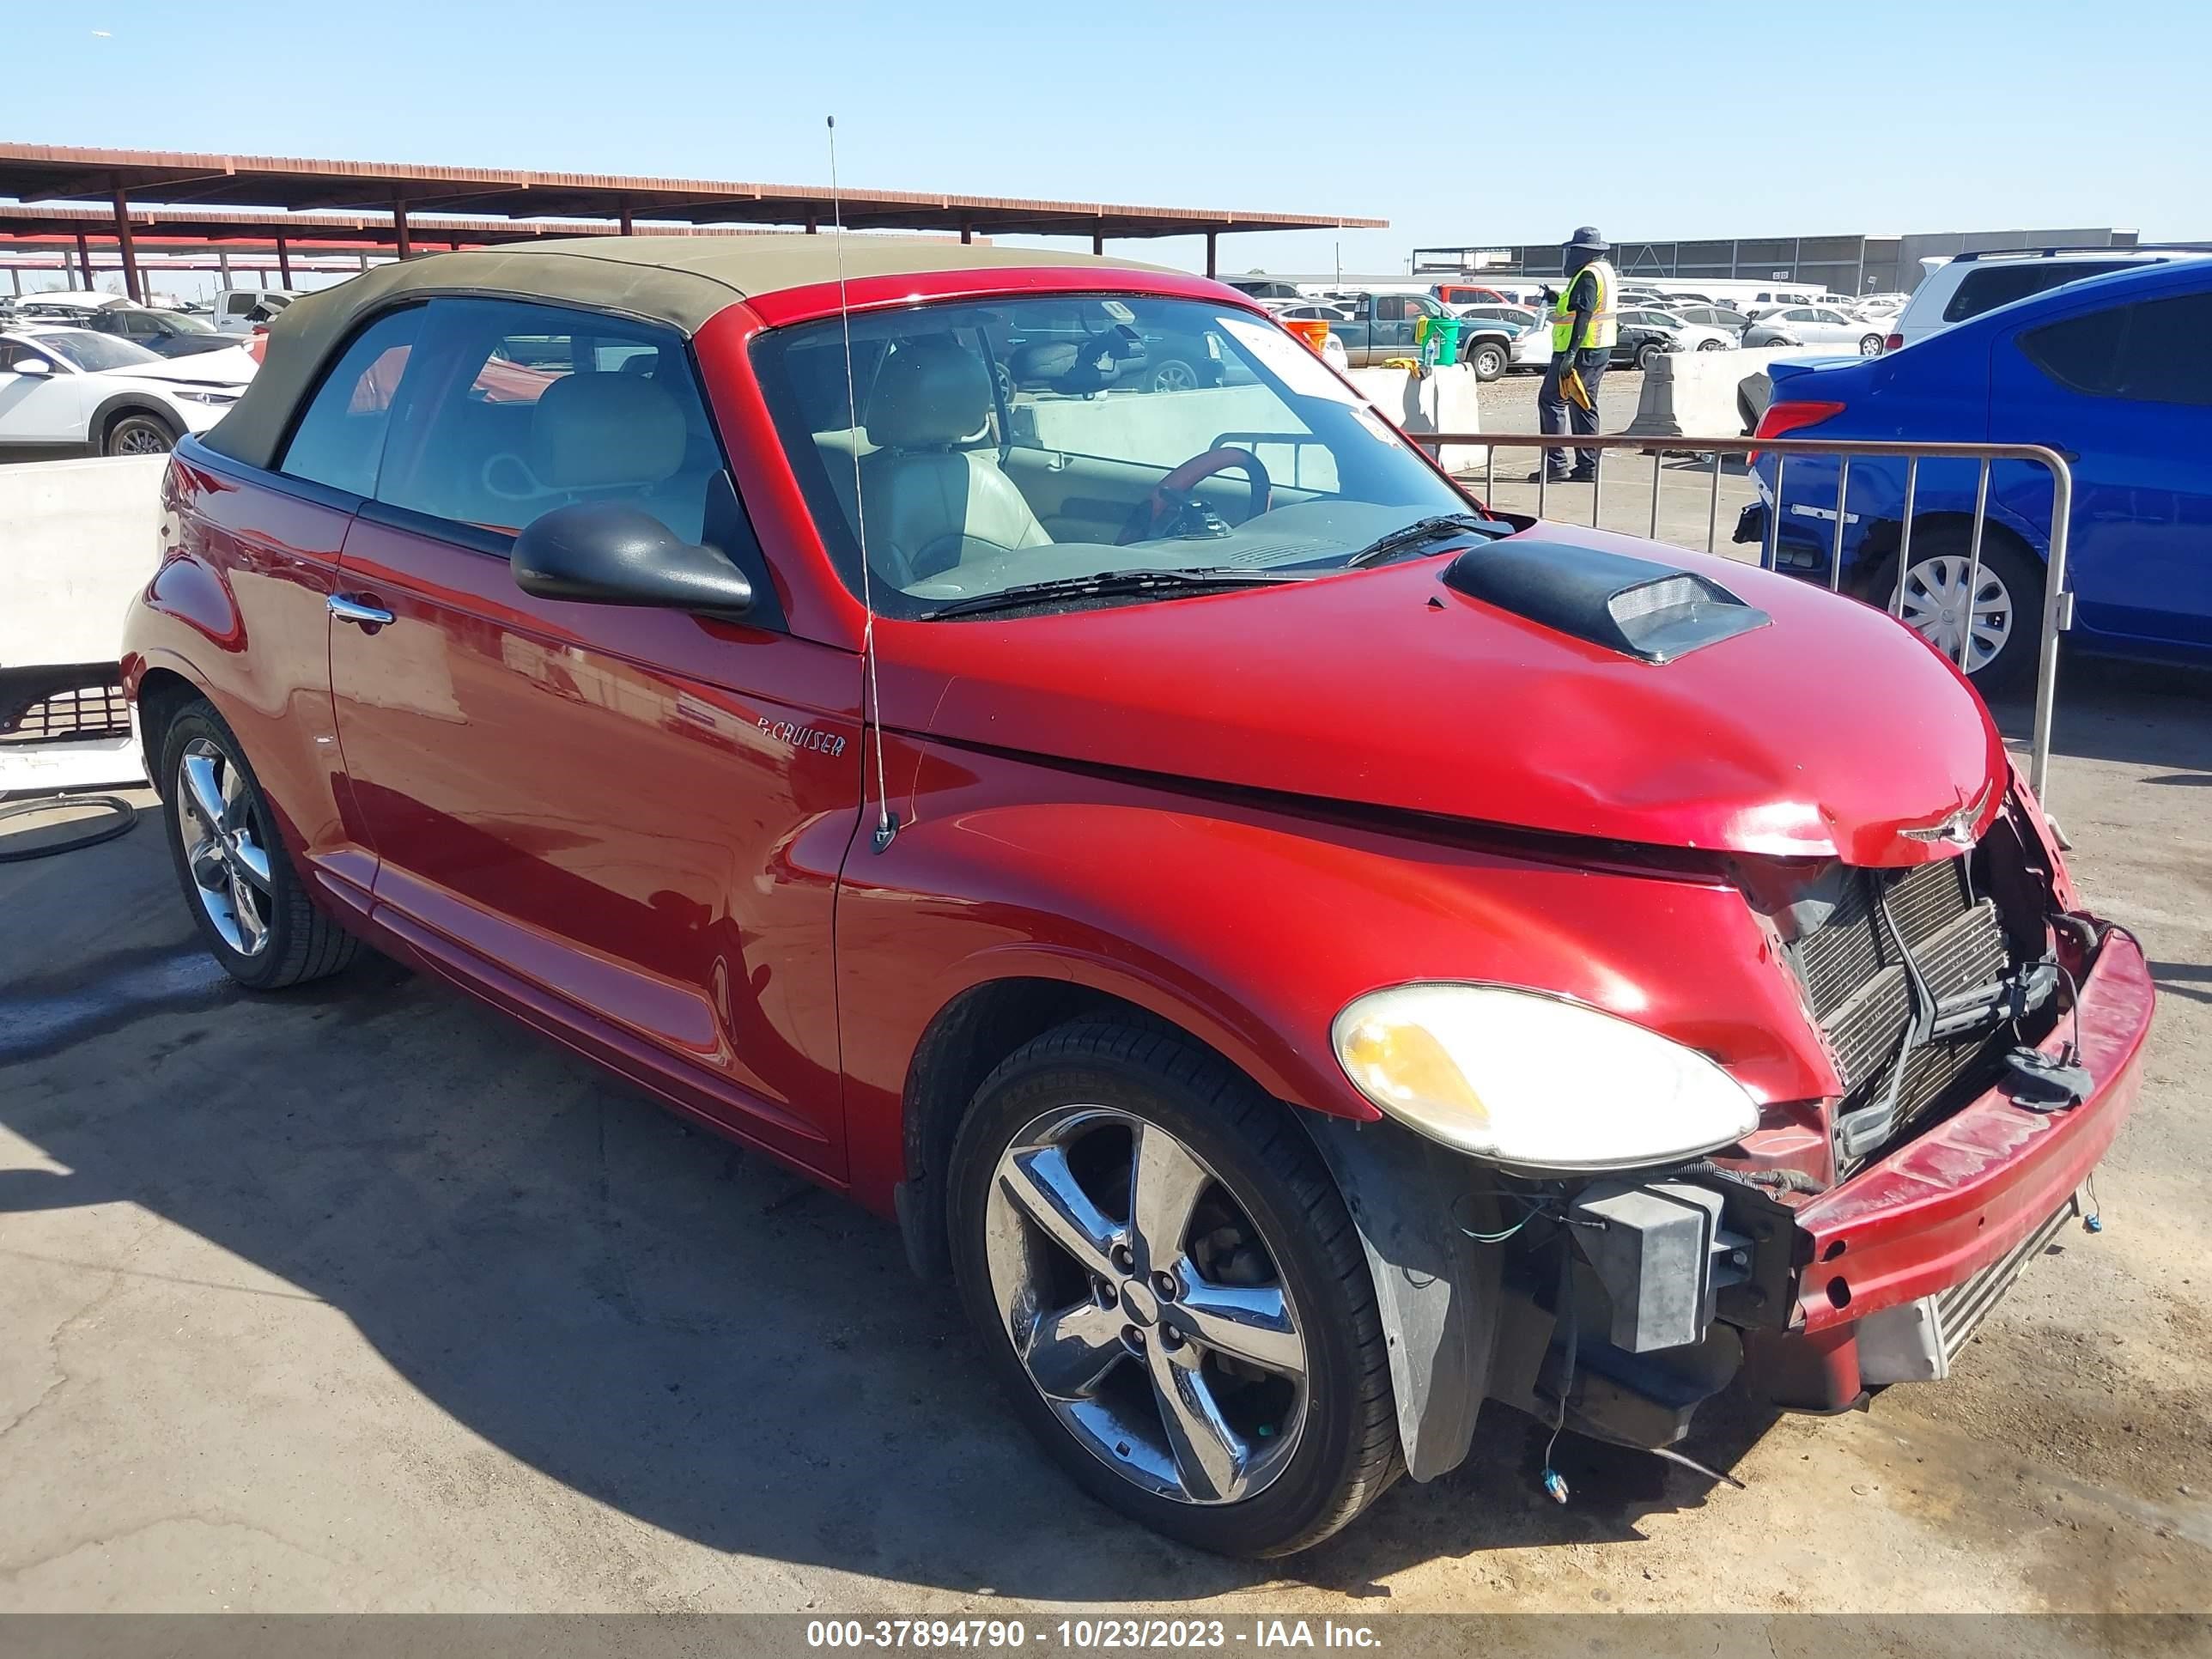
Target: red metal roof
{"type": "Point", "coordinates": [46, 172]}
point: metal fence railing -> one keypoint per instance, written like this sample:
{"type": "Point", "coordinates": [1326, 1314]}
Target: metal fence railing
{"type": "Point", "coordinates": [2058, 599]}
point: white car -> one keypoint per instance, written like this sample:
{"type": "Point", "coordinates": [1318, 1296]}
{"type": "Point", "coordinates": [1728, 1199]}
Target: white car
{"type": "Point", "coordinates": [1532, 347]}
{"type": "Point", "coordinates": [1879, 305]}
{"type": "Point", "coordinates": [1695, 336]}
{"type": "Point", "coordinates": [1816, 325]}
{"type": "Point", "coordinates": [71, 385]}
{"type": "Point", "coordinates": [62, 305]}
{"type": "Point", "coordinates": [1969, 284]}
{"type": "Point", "coordinates": [1312, 311]}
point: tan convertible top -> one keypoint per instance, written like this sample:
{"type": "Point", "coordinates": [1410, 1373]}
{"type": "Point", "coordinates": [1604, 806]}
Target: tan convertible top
{"type": "Point", "coordinates": [678, 280]}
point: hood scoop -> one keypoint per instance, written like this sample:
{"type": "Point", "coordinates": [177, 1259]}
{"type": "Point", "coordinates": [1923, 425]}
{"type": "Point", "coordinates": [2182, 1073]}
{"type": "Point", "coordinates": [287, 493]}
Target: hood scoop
{"type": "Point", "coordinates": [1639, 608]}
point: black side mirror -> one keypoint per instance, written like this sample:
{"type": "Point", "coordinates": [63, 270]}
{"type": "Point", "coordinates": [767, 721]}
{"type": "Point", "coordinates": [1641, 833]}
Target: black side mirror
{"type": "Point", "coordinates": [607, 553]}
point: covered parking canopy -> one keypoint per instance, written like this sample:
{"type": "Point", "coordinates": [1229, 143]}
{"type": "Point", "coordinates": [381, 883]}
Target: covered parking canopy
{"type": "Point", "coordinates": [292, 187]}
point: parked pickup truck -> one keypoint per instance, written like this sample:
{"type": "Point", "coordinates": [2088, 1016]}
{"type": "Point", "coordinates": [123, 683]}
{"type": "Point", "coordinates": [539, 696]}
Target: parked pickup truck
{"type": "Point", "coordinates": [240, 310]}
{"type": "Point", "coordinates": [1377, 327]}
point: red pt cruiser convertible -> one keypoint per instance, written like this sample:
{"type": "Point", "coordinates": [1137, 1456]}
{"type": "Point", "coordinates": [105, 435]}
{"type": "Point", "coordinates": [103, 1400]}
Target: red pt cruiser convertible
{"type": "Point", "coordinates": [1303, 954]}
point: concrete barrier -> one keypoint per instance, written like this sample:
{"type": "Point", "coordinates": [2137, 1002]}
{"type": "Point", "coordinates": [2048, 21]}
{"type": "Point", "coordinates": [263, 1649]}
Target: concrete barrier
{"type": "Point", "coordinates": [1444, 400]}
{"type": "Point", "coordinates": [77, 539]}
{"type": "Point", "coordinates": [1706, 393]}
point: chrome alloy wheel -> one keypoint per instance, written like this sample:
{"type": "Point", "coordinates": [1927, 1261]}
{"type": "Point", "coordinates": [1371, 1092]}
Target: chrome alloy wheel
{"type": "Point", "coordinates": [225, 845]}
{"type": "Point", "coordinates": [1935, 607]}
{"type": "Point", "coordinates": [1145, 1305]}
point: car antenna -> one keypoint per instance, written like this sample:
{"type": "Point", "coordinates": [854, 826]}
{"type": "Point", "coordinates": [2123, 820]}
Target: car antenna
{"type": "Point", "coordinates": [887, 823]}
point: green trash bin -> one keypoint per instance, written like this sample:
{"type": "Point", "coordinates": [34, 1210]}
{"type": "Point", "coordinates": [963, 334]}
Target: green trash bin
{"type": "Point", "coordinates": [1438, 339]}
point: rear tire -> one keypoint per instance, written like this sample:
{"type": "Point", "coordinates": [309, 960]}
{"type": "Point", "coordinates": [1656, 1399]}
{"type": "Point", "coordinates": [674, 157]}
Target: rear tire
{"type": "Point", "coordinates": [138, 434]}
{"type": "Point", "coordinates": [250, 905]}
{"type": "Point", "coordinates": [1648, 356]}
{"type": "Point", "coordinates": [1314, 1439]}
{"type": "Point", "coordinates": [1870, 345]}
{"type": "Point", "coordinates": [2008, 602]}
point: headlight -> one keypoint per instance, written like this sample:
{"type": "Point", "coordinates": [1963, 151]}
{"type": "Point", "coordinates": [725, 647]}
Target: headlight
{"type": "Point", "coordinates": [1535, 1082]}
{"type": "Point", "coordinates": [209, 396]}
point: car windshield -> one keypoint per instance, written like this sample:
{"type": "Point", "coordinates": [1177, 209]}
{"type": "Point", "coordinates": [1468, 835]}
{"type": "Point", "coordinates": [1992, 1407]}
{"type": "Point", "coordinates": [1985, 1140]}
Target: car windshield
{"type": "Point", "coordinates": [1041, 440]}
{"type": "Point", "coordinates": [82, 348]}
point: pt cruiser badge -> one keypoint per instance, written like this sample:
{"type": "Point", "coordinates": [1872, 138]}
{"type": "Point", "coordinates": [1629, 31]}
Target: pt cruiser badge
{"type": "Point", "coordinates": [803, 737]}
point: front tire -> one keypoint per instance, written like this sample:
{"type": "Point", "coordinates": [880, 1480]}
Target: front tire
{"type": "Point", "coordinates": [248, 903]}
{"type": "Point", "coordinates": [139, 434]}
{"type": "Point", "coordinates": [1488, 362]}
{"type": "Point", "coordinates": [1168, 1284]}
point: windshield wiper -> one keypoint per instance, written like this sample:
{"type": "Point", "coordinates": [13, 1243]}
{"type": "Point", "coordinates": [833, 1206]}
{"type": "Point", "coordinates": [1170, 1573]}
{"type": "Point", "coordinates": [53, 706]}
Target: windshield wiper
{"type": "Point", "coordinates": [1113, 584]}
{"type": "Point", "coordinates": [1412, 535]}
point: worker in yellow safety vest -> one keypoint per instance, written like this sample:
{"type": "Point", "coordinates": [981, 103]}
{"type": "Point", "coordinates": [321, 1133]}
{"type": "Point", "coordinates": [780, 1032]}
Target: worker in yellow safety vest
{"type": "Point", "coordinates": [1585, 326]}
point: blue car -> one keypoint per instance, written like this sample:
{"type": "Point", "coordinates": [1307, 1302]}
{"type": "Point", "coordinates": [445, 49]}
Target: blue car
{"type": "Point", "coordinates": [2115, 372]}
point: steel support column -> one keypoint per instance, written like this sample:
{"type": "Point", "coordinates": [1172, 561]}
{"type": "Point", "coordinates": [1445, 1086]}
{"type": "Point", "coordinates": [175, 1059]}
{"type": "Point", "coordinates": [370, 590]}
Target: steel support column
{"type": "Point", "coordinates": [399, 229]}
{"type": "Point", "coordinates": [1211, 237]}
{"type": "Point", "coordinates": [1098, 241]}
{"type": "Point", "coordinates": [125, 247]}
{"type": "Point", "coordinates": [284, 263]}
{"type": "Point", "coordinates": [84, 257]}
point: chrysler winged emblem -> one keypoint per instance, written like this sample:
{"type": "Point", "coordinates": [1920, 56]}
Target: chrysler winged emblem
{"type": "Point", "coordinates": [1955, 827]}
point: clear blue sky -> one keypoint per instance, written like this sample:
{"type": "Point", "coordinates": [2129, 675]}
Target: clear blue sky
{"type": "Point", "coordinates": [1752, 120]}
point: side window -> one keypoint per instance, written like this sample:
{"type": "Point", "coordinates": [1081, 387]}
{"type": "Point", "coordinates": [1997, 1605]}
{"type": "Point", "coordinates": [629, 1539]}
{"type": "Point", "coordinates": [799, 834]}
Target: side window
{"type": "Point", "coordinates": [239, 305]}
{"type": "Point", "coordinates": [529, 407]}
{"type": "Point", "coordinates": [340, 441]}
{"type": "Point", "coordinates": [1392, 308]}
{"type": "Point", "coordinates": [2158, 350]}
{"type": "Point", "coordinates": [1988, 287]}
{"type": "Point", "coordinates": [2080, 353]}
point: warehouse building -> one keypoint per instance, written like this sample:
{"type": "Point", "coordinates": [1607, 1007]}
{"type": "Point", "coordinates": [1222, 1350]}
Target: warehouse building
{"type": "Point", "coordinates": [1841, 265]}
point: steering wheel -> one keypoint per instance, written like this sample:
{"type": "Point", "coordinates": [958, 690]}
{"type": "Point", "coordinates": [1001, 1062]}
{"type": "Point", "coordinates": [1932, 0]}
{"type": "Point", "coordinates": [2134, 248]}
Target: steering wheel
{"type": "Point", "coordinates": [1162, 512]}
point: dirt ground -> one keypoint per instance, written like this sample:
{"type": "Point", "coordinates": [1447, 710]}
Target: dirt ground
{"type": "Point", "coordinates": [363, 1298]}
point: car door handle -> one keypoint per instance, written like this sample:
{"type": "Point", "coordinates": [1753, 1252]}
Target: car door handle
{"type": "Point", "coordinates": [354, 610]}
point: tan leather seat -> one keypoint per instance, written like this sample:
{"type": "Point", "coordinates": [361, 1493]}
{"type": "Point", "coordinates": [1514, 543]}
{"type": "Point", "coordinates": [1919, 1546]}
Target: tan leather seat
{"type": "Point", "coordinates": [931, 505]}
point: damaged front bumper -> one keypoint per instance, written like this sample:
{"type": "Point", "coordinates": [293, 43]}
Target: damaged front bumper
{"type": "Point", "coordinates": [1812, 1299]}
{"type": "Point", "coordinates": [1926, 1239]}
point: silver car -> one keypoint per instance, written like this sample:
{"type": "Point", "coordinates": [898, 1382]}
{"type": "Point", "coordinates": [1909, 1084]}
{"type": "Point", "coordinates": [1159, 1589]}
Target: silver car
{"type": "Point", "coordinates": [1814, 325]}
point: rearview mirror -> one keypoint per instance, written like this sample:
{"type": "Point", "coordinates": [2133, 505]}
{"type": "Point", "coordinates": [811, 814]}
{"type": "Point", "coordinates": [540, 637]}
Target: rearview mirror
{"type": "Point", "coordinates": [33, 366]}
{"type": "Point", "coordinates": [607, 553]}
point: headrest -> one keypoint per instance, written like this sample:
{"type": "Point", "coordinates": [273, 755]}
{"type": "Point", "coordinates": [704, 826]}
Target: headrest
{"type": "Point", "coordinates": [590, 431]}
{"type": "Point", "coordinates": [930, 392]}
